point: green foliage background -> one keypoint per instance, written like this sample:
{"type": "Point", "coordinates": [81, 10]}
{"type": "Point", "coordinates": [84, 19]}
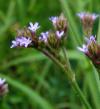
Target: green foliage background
{"type": "Point", "coordinates": [34, 81]}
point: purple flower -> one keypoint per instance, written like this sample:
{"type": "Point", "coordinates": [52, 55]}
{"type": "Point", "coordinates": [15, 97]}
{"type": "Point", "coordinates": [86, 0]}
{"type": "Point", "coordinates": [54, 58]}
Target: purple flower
{"type": "Point", "coordinates": [59, 34]}
{"type": "Point", "coordinates": [90, 42]}
{"type": "Point", "coordinates": [21, 41]}
{"type": "Point", "coordinates": [53, 19]}
{"type": "Point", "coordinates": [91, 39]}
{"type": "Point", "coordinates": [92, 50]}
{"type": "Point", "coordinates": [34, 27]}
{"type": "Point", "coordinates": [82, 15]}
{"type": "Point", "coordinates": [3, 87]}
{"type": "Point", "coordinates": [2, 81]}
{"type": "Point", "coordinates": [44, 36]}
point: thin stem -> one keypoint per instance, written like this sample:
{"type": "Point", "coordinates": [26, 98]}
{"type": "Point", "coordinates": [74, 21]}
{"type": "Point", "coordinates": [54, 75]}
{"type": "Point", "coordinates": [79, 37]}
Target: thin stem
{"type": "Point", "coordinates": [73, 80]}
{"type": "Point", "coordinates": [80, 93]}
{"type": "Point", "coordinates": [52, 57]}
{"type": "Point", "coordinates": [70, 76]}
{"type": "Point", "coordinates": [66, 57]}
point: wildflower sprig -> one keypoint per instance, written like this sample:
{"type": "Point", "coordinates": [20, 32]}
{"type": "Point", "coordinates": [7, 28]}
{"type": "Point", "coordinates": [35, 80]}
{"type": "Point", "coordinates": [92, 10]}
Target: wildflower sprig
{"type": "Point", "coordinates": [50, 40]}
{"type": "Point", "coordinates": [91, 48]}
{"type": "Point", "coordinates": [50, 43]}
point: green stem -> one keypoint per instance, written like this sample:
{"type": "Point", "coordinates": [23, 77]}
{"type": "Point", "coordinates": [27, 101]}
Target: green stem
{"type": "Point", "coordinates": [73, 80]}
{"type": "Point", "coordinates": [70, 76]}
{"type": "Point", "coordinates": [66, 58]}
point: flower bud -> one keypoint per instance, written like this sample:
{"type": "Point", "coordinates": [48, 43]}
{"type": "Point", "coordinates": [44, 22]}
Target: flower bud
{"type": "Point", "coordinates": [52, 40]}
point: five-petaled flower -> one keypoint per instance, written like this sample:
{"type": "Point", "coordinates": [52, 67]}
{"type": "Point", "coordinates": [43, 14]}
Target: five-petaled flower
{"type": "Point", "coordinates": [33, 27]}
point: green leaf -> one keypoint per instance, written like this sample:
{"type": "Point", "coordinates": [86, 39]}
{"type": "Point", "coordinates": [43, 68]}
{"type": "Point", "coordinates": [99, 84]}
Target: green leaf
{"type": "Point", "coordinates": [31, 94]}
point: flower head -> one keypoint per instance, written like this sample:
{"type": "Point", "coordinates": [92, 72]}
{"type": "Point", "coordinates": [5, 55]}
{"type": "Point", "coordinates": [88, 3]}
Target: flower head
{"type": "Point", "coordinates": [33, 27]}
{"type": "Point", "coordinates": [21, 41]}
{"type": "Point", "coordinates": [92, 50]}
{"type": "Point", "coordinates": [3, 87]}
{"type": "Point", "coordinates": [87, 22]}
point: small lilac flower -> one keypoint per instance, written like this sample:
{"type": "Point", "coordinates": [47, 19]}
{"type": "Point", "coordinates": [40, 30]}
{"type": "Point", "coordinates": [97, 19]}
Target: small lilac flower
{"type": "Point", "coordinates": [82, 15]}
{"type": "Point", "coordinates": [90, 42]}
{"type": "Point", "coordinates": [83, 49]}
{"type": "Point", "coordinates": [44, 36]}
{"type": "Point", "coordinates": [91, 39]}
{"type": "Point", "coordinates": [34, 27]}
{"type": "Point", "coordinates": [59, 34]}
{"type": "Point", "coordinates": [21, 41]}
{"type": "Point", "coordinates": [3, 86]}
{"type": "Point", "coordinates": [53, 19]}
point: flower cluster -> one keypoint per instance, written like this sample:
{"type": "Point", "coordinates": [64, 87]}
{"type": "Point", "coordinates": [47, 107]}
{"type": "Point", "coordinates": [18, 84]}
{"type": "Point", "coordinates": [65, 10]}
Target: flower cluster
{"type": "Point", "coordinates": [21, 41]}
{"type": "Point", "coordinates": [3, 87]}
{"type": "Point", "coordinates": [87, 20]}
{"type": "Point", "coordinates": [27, 37]}
{"type": "Point", "coordinates": [91, 49]}
{"type": "Point", "coordinates": [51, 40]}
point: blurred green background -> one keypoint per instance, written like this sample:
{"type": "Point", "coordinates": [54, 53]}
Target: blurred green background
{"type": "Point", "coordinates": [34, 81]}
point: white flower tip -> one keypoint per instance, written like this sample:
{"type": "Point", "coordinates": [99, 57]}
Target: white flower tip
{"type": "Point", "coordinates": [59, 34]}
{"type": "Point", "coordinates": [2, 81]}
{"type": "Point", "coordinates": [83, 49]}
